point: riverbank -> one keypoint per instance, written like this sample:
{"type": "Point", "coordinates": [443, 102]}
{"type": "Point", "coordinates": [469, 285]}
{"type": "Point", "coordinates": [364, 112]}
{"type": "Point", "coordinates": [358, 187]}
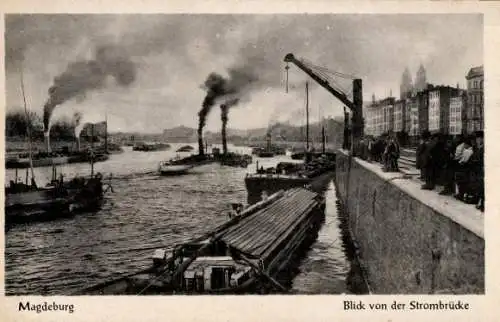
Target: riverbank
{"type": "Point", "coordinates": [410, 241]}
{"type": "Point", "coordinates": [20, 145]}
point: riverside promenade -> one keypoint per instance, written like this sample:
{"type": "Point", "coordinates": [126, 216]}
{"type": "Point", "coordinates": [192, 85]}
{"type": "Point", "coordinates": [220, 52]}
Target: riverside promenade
{"type": "Point", "coordinates": [409, 240]}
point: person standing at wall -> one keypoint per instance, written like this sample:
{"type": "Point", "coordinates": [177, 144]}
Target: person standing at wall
{"type": "Point", "coordinates": [478, 169]}
{"type": "Point", "coordinates": [392, 155]}
{"type": "Point", "coordinates": [463, 172]}
{"type": "Point", "coordinates": [426, 161]}
{"type": "Point", "coordinates": [459, 145]}
{"type": "Point", "coordinates": [420, 153]}
{"type": "Point", "coordinates": [429, 164]}
{"type": "Point", "coordinates": [448, 168]}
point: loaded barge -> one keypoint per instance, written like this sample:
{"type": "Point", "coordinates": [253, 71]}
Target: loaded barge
{"type": "Point", "coordinates": [316, 173]}
{"type": "Point", "coordinates": [244, 255]}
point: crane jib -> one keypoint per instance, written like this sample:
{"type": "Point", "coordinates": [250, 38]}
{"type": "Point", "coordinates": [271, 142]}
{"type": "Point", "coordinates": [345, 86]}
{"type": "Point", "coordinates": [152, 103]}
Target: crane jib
{"type": "Point", "coordinates": [356, 105]}
{"type": "Point", "coordinates": [325, 84]}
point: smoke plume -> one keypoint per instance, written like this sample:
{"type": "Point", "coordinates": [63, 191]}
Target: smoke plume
{"type": "Point", "coordinates": [224, 110]}
{"type": "Point", "coordinates": [83, 76]}
{"type": "Point", "coordinates": [77, 118]}
{"type": "Point", "coordinates": [231, 89]}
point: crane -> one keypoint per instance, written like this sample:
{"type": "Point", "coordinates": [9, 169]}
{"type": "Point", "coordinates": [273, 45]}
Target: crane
{"type": "Point", "coordinates": [355, 105]}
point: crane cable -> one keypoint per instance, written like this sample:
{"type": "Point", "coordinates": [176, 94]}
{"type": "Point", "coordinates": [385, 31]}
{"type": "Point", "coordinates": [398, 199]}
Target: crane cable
{"type": "Point", "coordinates": [323, 72]}
{"type": "Point", "coordinates": [329, 71]}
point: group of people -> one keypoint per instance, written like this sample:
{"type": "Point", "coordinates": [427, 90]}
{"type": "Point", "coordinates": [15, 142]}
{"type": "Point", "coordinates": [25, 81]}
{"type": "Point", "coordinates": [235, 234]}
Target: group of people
{"type": "Point", "coordinates": [384, 150]}
{"type": "Point", "coordinates": [457, 164]}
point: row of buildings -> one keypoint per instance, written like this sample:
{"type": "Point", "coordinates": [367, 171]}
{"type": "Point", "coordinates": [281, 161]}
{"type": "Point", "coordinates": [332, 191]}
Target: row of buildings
{"type": "Point", "coordinates": [422, 106]}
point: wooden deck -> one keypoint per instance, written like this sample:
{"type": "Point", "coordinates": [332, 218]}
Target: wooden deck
{"type": "Point", "coordinates": [264, 230]}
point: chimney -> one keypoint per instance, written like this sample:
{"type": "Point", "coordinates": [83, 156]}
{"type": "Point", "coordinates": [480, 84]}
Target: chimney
{"type": "Point", "coordinates": [268, 141]}
{"type": "Point", "coordinates": [46, 136]}
{"type": "Point", "coordinates": [224, 126]}
{"type": "Point", "coordinates": [200, 143]}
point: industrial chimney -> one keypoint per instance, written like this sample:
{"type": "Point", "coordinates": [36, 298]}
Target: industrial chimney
{"type": "Point", "coordinates": [268, 141]}
{"type": "Point", "coordinates": [46, 136]}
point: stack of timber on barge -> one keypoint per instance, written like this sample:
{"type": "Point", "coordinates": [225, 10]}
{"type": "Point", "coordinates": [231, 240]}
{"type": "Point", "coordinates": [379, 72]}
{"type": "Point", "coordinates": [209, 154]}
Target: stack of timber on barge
{"type": "Point", "coordinates": [316, 173]}
{"type": "Point", "coordinates": [243, 255]}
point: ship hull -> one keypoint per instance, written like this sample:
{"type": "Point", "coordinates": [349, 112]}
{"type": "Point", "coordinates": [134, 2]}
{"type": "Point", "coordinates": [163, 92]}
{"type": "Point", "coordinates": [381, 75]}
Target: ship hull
{"type": "Point", "coordinates": [179, 169]}
{"type": "Point", "coordinates": [256, 185]}
{"type": "Point", "coordinates": [52, 203]}
{"type": "Point", "coordinates": [47, 162]}
{"type": "Point", "coordinates": [175, 169]}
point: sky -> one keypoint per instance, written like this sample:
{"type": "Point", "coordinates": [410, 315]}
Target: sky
{"type": "Point", "coordinates": [172, 55]}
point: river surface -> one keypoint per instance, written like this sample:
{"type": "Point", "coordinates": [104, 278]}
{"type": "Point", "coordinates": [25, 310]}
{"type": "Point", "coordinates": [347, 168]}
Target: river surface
{"type": "Point", "coordinates": [146, 212]}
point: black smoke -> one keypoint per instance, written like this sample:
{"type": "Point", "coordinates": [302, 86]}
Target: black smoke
{"type": "Point", "coordinates": [83, 76]}
{"type": "Point", "coordinates": [218, 88]}
{"type": "Point", "coordinates": [224, 113]}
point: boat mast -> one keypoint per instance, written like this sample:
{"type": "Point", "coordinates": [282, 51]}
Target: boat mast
{"type": "Point", "coordinates": [28, 128]}
{"type": "Point", "coordinates": [307, 117]}
{"type": "Point", "coordinates": [92, 151]}
{"type": "Point", "coordinates": [106, 133]}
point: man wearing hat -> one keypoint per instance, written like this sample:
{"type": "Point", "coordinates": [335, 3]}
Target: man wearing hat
{"type": "Point", "coordinates": [428, 161]}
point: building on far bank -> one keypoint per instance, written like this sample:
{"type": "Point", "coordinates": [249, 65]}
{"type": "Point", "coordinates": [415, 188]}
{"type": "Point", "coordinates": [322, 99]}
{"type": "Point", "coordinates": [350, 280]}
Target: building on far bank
{"type": "Point", "coordinates": [374, 118]}
{"type": "Point", "coordinates": [458, 105]}
{"type": "Point", "coordinates": [412, 104]}
{"type": "Point", "coordinates": [387, 105]}
{"type": "Point", "coordinates": [439, 108]}
{"type": "Point", "coordinates": [407, 115]}
{"type": "Point", "coordinates": [399, 116]}
{"type": "Point", "coordinates": [475, 101]}
{"type": "Point", "coordinates": [423, 110]}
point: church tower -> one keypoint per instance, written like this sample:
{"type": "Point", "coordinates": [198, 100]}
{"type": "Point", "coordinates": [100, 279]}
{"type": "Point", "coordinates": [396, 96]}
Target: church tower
{"type": "Point", "coordinates": [406, 86]}
{"type": "Point", "coordinates": [420, 79]}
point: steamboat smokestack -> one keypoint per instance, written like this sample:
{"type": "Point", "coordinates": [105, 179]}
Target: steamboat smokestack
{"type": "Point", "coordinates": [200, 142]}
{"type": "Point", "coordinates": [224, 111]}
{"type": "Point", "coordinates": [46, 136]}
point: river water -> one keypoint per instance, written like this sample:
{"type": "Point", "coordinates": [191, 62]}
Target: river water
{"type": "Point", "coordinates": [146, 212]}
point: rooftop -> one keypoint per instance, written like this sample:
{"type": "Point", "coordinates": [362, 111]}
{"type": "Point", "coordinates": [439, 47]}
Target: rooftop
{"type": "Point", "coordinates": [475, 72]}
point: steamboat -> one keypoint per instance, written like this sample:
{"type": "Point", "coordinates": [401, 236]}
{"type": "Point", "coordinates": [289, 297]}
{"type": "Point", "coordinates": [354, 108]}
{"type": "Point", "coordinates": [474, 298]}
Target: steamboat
{"type": "Point", "coordinates": [151, 147]}
{"type": "Point", "coordinates": [244, 255]}
{"type": "Point", "coordinates": [26, 202]}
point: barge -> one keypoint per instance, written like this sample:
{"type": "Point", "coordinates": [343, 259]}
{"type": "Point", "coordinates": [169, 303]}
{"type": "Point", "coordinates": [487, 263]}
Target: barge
{"type": "Point", "coordinates": [243, 256]}
{"type": "Point", "coordinates": [316, 173]}
{"type": "Point", "coordinates": [26, 203]}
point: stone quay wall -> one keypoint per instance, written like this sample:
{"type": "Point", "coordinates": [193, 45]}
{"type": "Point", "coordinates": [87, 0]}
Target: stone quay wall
{"type": "Point", "coordinates": [408, 240]}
